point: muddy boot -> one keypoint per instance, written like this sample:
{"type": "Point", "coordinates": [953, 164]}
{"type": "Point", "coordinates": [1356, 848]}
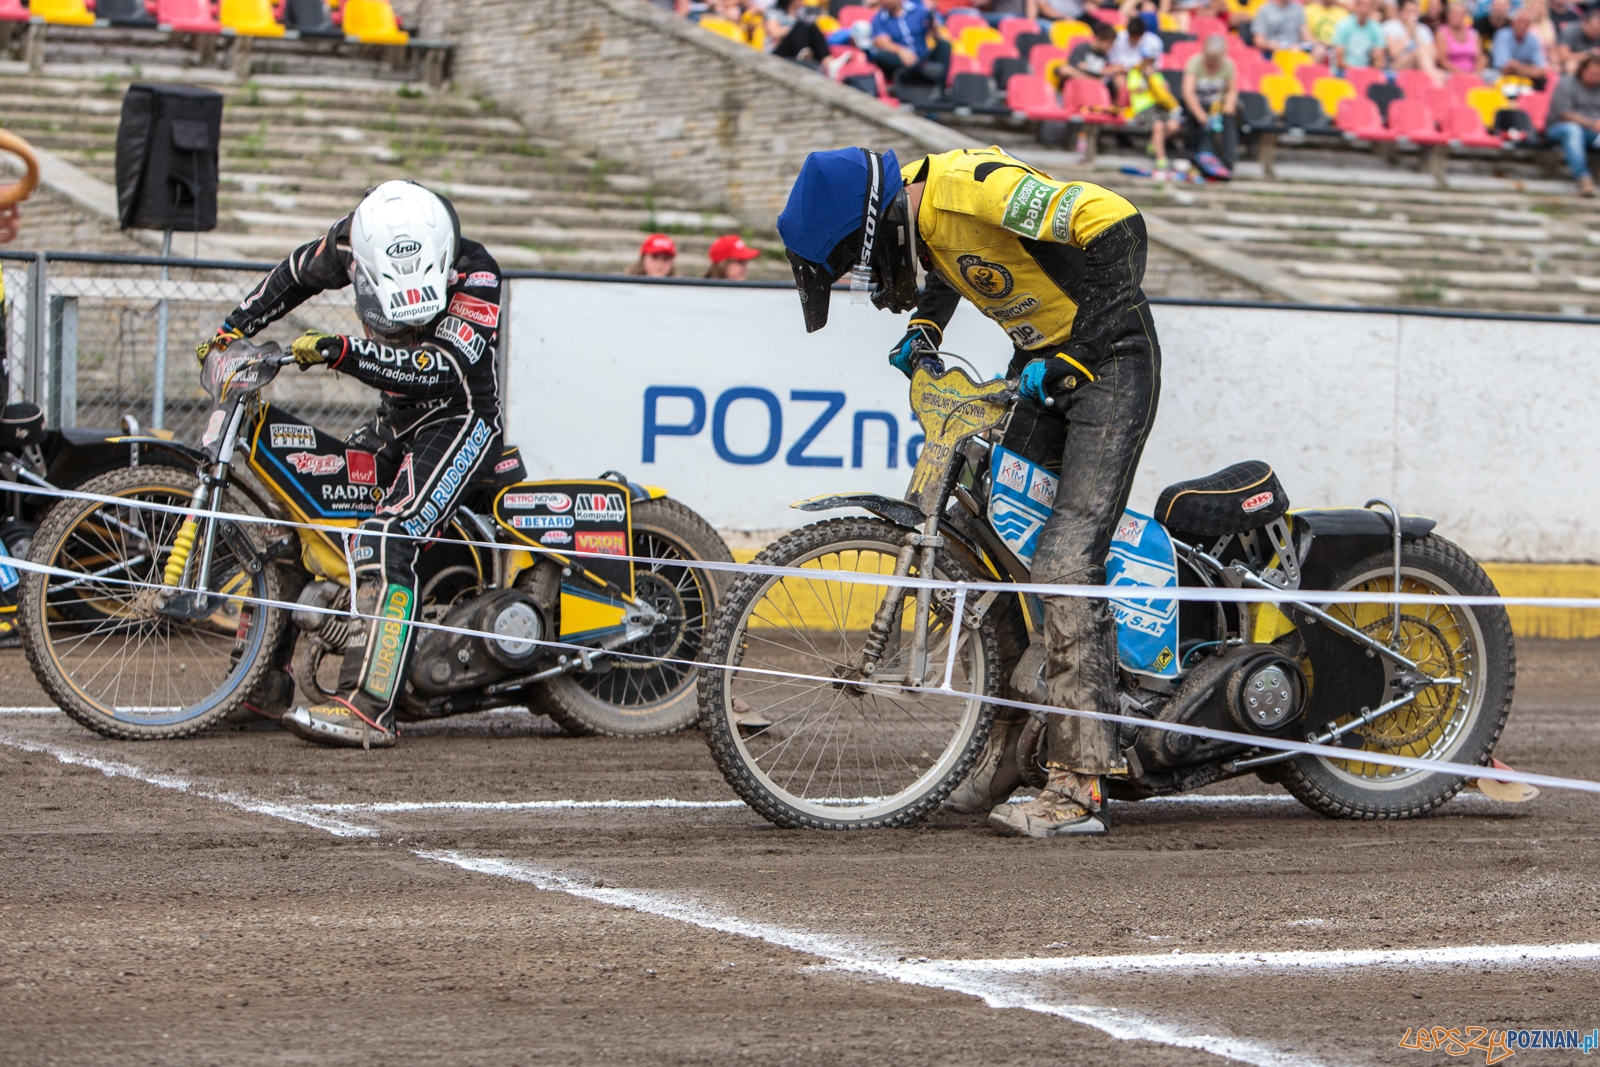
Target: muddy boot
{"type": "Point", "coordinates": [344, 723]}
{"type": "Point", "coordinates": [994, 777]}
{"type": "Point", "coordinates": [1070, 806]}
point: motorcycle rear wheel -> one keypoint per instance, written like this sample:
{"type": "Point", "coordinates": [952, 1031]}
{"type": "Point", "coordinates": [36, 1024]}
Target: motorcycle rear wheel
{"type": "Point", "coordinates": [108, 661]}
{"type": "Point", "coordinates": [1458, 724]}
{"type": "Point", "coordinates": [629, 697]}
{"type": "Point", "coordinates": [868, 755]}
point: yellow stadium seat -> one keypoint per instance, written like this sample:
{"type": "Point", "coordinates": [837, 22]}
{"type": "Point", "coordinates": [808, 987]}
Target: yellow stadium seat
{"type": "Point", "coordinates": [1064, 30]}
{"type": "Point", "coordinates": [827, 23]}
{"type": "Point", "coordinates": [249, 18]}
{"type": "Point", "coordinates": [1167, 23]}
{"type": "Point", "coordinates": [1331, 92]}
{"type": "Point", "coordinates": [1277, 88]}
{"type": "Point", "coordinates": [62, 12]}
{"type": "Point", "coordinates": [722, 28]}
{"type": "Point", "coordinates": [373, 22]}
{"type": "Point", "coordinates": [971, 37]}
{"type": "Point", "coordinates": [1486, 101]}
{"type": "Point", "coordinates": [1290, 60]}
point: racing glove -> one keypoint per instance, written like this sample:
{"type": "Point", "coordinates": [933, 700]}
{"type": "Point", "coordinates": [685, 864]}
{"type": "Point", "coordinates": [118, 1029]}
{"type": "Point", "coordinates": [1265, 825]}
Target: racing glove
{"type": "Point", "coordinates": [226, 335]}
{"type": "Point", "coordinates": [1049, 381]}
{"type": "Point", "coordinates": [311, 348]}
{"type": "Point", "coordinates": [919, 345]}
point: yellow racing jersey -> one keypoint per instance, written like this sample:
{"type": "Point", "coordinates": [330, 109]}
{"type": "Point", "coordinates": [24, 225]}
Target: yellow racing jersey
{"type": "Point", "coordinates": [1029, 251]}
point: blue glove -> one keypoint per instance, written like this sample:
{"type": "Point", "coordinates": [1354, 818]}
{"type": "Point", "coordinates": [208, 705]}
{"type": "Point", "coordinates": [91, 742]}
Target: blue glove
{"type": "Point", "coordinates": [920, 345]}
{"type": "Point", "coordinates": [1042, 380]}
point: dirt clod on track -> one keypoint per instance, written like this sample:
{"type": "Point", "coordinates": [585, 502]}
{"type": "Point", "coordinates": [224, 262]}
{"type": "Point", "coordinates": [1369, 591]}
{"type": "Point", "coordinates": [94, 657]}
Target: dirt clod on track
{"type": "Point", "coordinates": [171, 911]}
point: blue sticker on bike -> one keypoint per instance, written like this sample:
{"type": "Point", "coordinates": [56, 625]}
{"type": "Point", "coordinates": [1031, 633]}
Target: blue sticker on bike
{"type": "Point", "coordinates": [1147, 630]}
{"type": "Point", "coordinates": [1020, 501]}
{"type": "Point", "coordinates": [8, 574]}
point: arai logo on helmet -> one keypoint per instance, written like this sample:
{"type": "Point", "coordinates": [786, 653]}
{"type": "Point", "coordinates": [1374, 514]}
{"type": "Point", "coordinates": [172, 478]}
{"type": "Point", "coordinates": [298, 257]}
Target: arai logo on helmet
{"type": "Point", "coordinates": [1257, 502]}
{"type": "Point", "coordinates": [402, 248]}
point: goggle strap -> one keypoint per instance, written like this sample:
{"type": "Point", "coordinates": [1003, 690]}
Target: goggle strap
{"type": "Point", "coordinates": [861, 274]}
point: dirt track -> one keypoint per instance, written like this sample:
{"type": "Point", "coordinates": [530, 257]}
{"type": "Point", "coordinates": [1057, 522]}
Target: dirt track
{"type": "Point", "coordinates": [141, 922]}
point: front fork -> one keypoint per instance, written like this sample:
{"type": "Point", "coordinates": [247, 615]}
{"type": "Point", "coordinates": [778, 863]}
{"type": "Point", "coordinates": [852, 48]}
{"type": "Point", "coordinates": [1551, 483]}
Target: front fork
{"type": "Point", "coordinates": [921, 546]}
{"type": "Point", "coordinates": [180, 572]}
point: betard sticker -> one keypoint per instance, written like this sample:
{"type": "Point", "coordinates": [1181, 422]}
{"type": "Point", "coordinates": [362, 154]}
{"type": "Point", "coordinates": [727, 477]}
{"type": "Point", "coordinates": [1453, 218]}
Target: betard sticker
{"type": "Point", "coordinates": [1061, 221]}
{"type": "Point", "coordinates": [1028, 207]}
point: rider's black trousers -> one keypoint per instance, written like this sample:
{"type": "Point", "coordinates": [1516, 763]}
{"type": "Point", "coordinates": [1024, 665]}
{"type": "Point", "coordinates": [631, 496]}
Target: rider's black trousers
{"type": "Point", "coordinates": [1107, 422]}
{"type": "Point", "coordinates": [437, 464]}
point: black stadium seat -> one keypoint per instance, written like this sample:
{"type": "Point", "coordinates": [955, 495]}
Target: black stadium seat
{"type": "Point", "coordinates": [976, 93]}
{"type": "Point", "coordinates": [1305, 113]}
{"type": "Point", "coordinates": [1516, 126]}
{"type": "Point", "coordinates": [865, 82]}
{"type": "Point", "coordinates": [1026, 41]}
{"type": "Point", "coordinates": [1383, 94]}
{"type": "Point", "coordinates": [916, 93]}
{"type": "Point", "coordinates": [1005, 68]}
{"type": "Point", "coordinates": [125, 13]}
{"type": "Point", "coordinates": [310, 19]}
{"type": "Point", "coordinates": [1255, 115]}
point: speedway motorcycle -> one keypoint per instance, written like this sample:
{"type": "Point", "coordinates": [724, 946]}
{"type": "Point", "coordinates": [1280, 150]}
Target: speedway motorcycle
{"type": "Point", "coordinates": [811, 720]}
{"type": "Point", "coordinates": [155, 629]}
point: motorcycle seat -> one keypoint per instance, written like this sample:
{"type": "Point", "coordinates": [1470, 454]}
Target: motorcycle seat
{"type": "Point", "coordinates": [1236, 499]}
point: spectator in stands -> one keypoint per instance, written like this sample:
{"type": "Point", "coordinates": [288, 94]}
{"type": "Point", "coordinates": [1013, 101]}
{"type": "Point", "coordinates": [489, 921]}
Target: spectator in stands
{"type": "Point", "coordinates": [1152, 107]}
{"type": "Point", "coordinates": [1092, 58]}
{"type": "Point", "coordinates": [1517, 52]}
{"type": "Point", "coordinates": [1541, 26]}
{"type": "Point", "coordinates": [995, 10]}
{"type": "Point", "coordinates": [1579, 39]}
{"type": "Point", "coordinates": [1211, 102]}
{"type": "Point", "coordinates": [1134, 45]}
{"type": "Point", "coordinates": [793, 27]}
{"type": "Point", "coordinates": [902, 36]}
{"type": "Point", "coordinates": [1360, 41]}
{"type": "Point", "coordinates": [1575, 120]}
{"type": "Point", "coordinates": [730, 258]}
{"type": "Point", "coordinates": [1322, 22]}
{"type": "Point", "coordinates": [1493, 18]}
{"type": "Point", "coordinates": [1279, 24]}
{"type": "Point", "coordinates": [1051, 10]}
{"type": "Point", "coordinates": [1457, 45]}
{"type": "Point", "coordinates": [1411, 44]}
{"type": "Point", "coordinates": [1564, 13]}
{"type": "Point", "coordinates": [658, 257]}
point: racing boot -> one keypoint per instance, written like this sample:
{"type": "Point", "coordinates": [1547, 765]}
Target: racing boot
{"type": "Point", "coordinates": [343, 723]}
{"type": "Point", "coordinates": [1069, 806]}
{"type": "Point", "coordinates": [994, 777]}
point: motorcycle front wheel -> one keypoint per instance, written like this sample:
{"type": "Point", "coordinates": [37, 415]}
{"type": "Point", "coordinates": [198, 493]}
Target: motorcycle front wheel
{"type": "Point", "coordinates": [637, 695]}
{"type": "Point", "coordinates": [1460, 724]}
{"type": "Point", "coordinates": [96, 644]}
{"type": "Point", "coordinates": [834, 746]}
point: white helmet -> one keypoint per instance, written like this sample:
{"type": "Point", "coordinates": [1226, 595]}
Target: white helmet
{"type": "Point", "coordinates": [403, 239]}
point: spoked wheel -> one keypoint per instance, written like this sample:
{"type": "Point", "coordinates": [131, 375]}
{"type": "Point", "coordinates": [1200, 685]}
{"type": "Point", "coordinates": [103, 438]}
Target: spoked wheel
{"type": "Point", "coordinates": [1460, 724]}
{"type": "Point", "coordinates": [102, 648]}
{"type": "Point", "coordinates": [841, 747]}
{"type": "Point", "coordinates": [639, 697]}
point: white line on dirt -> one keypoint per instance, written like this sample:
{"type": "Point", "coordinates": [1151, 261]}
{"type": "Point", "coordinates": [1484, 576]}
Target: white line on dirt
{"type": "Point", "coordinates": [862, 958]}
{"type": "Point", "coordinates": [115, 769]}
{"type": "Point", "coordinates": [30, 711]}
{"type": "Point", "coordinates": [1334, 960]}
{"type": "Point", "coordinates": [386, 806]}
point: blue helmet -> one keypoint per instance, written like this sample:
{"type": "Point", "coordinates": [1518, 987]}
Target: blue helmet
{"type": "Point", "coordinates": [847, 214]}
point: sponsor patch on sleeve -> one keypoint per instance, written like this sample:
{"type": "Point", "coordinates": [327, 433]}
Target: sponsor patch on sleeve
{"type": "Point", "coordinates": [1061, 221]}
{"type": "Point", "coordinates": [474, 310]}
{"type": "Point", "coordinates": [462, 338]}
{"type": "Point", "coordinates": [1029, 206]}
{"type": "Point", "coordinates": [481, 279]}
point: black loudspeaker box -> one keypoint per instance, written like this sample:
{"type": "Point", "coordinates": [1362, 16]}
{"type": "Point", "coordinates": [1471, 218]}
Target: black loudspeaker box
{"type": "Point", "coordinates": [167, 147]}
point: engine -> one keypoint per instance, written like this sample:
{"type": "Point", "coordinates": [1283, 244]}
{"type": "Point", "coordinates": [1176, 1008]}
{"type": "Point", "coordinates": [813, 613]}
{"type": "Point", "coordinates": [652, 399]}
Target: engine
{"type": "Point", "coordinates": [447, 663]}
{"type": "Point", "coordinates": [1252, 689]}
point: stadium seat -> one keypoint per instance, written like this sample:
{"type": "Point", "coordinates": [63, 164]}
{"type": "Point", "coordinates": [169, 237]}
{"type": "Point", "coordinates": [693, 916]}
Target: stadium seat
{"type": "Point", "coordinates": [976, 93]}
{"type": "Point", "coordinates": [13, 11]}
{"type": "Point", "coordinates": [1412, 120]}
{"type": "Point", "coordinates": [373, 22]}
{"type": "Point", "coordinates": [130, 13]}
{"type": "Point", "coordinates": [916, 93]}
{"type": "Point", "coordinates": [1203, 27]}
{"type": "Point", "coordinates": [1383, 94]}
{"type": "Point", "coordinates": [1439, 102]}
{"type": "Point", "coordinates": [1089, 101]}
{"type": "Point", "coordinates": [1032, 95]}
{"type": "Point", "coordinates": [959, 65]}
{"type": "Point", "coordinates": [1414, 83]}
{"type": "Point", "coordinates": [1515, 126]}
{"type": "Point", "coordinates": [1278, 88]}
{"type": "Point", "coordinates": [1256, 115]}
{"type": "Point", "coordinates": [1027, 42]}
{"type": "Point", "coordinates": [1536, 106]}
{"type": "Point", "coordinates": [993, 50]}
{"type": "Point", "coordinates": [1331, 92]}
{"type": "Point", "coordinates": [1305, 114]}
{"type": "Point", "coordinates": [1308, 73]}
{"type": "Point", "coordinates": [956, 23]}
{"type": "Point", "coordinates": [1111, 16]}
{"type": "Point", "coordinates": [309, 18]}
{"type": "Point", "coordinates": [1064, 30]}
{"type": "Point", "coordinates": [1040, 55]}
{"type": "Point", "coordinates": [1360, 119]}
{"type": "Point", "coordinates": [249, 18]}
{"type": "Point", "coordinates": [186, 16]}
{"type": "Point", "coordinates": [1182, 52]}
{"type": "Point", "coordinates": [1363, 78]}
{"type": "Point", "coordinates": [62, 12]}
{"type": "Point", "coordinates": [973, 37]}
{"type": "Point", "coordinates": [1007, 68]}
{"type": "Point", "coordinates": [1465, 127]}
{"type": "Point", "coordinates": [1486, 102]}
{"type": "Point", "coordinates": [1290, 60]}
{"type": "Point", "coordinates": [1013, 27]}
{"type": "Point", "coordinates": [851, 14]}
{"type": "Point", "coordinates": [1462, 83]}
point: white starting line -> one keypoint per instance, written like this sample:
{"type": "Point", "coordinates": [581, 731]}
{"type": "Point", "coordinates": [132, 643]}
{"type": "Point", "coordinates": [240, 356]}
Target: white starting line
{"type": "Point", "coordinates": [994, 981]}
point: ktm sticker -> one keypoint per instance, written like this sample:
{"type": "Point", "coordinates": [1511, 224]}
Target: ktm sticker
{"type": "Point", "coordinates": [474, 310]}
{"type": "Point", "coordinates": [310, 463]}
{"type": "Point", "coordinates": [362, 467]}
{"type": "Point", "coordinates": [1257, 502]}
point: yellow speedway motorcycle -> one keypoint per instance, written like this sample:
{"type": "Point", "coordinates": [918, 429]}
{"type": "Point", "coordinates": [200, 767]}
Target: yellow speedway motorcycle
{"type": "Point", "coordinates": [844, 745]}
{"type": "Point", "coordinates": [148, 633]}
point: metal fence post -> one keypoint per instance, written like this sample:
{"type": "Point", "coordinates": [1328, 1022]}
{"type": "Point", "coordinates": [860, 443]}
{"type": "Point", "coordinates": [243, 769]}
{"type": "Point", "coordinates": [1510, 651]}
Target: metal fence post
{"type": "Point", "coordinates": [158, 400]}
{"type": "Point", "coordinates": [38, 329]}
{"type": "Point", "coordinates": [61, 411]}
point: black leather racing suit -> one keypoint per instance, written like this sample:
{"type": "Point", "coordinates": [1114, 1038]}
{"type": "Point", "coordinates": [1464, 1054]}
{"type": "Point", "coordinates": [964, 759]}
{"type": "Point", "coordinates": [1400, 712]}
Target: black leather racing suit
{"type": "Point", "coordinates": [438, 425]}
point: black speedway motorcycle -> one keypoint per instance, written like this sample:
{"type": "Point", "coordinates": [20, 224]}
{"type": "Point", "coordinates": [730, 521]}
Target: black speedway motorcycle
{"type": "Point", "coordinates": [155, 631]}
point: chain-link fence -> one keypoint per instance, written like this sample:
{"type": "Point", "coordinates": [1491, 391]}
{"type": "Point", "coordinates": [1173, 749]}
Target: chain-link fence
{"type": "Point", "coordinates": [118, 338]}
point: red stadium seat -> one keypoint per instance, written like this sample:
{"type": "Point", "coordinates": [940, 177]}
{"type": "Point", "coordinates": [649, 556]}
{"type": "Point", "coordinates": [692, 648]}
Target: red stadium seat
{"type": "Point", "coordinates": [988, 53]}
{"type": "Point", "coordinates": [1182, 52]}
{"type": "Point", "coordinates": [1439, 101]}
{"type": "Point", "coordinates": [956, 23]}
{"type": "Point", "coordinates": [1032, 95]}
{"type": "Point", "coordinates": [1203, 27]}
{"type": "Point", "coordinates": [13, 11]}
{"type": "Point", "coordinates": [1363, 78]}
{"type": "Point", "coordinates": [1088, 100]}
{"type": "Point", "coordinates": [960, 64]}
{"type": "Point", "coordinates": [1040, 55]}
{"type": "Point", "coordinates": [1011, 26]}
{"type": "Point", "coordinates": [1310, 72]}
{"type": "Point", "coordinates": [1536, 106]}
{"type": "Point", "coordinates": [851, 14]}
{"type": "Point", "coordinates": [1361, 119]}
{"type": "Point", "coordinates": [186, 16]}
{"type": "Point", "coordinates": [1465, 127]}
{"type": "Point", "coordinates": [1460, 82]}
{"type": "Point", "coordinates": [1414, 83]}
{"type": "Point", "coordinates": [1412, 120]}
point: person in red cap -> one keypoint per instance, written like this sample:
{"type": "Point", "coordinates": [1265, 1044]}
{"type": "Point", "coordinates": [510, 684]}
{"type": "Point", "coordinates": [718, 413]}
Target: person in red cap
{"type": "Point", "coordinates": [730, 258]}
{"type": "Point", "coordinates": [657, 257]}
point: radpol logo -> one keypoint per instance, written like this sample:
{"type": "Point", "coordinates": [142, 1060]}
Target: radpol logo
{"type": "Point", "coordinates": [601, 507]}
{"type": "Point", "coordinates": [525, 501]}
